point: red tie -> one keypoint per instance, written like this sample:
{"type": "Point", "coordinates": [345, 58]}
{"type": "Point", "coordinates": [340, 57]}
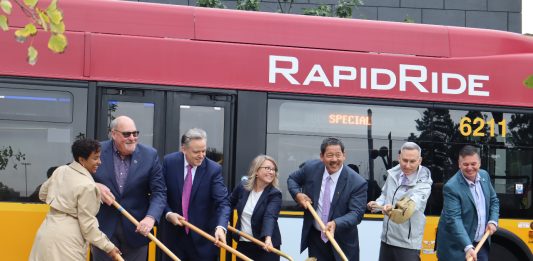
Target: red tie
{"type": "Point", "coordinates": [186, 196]}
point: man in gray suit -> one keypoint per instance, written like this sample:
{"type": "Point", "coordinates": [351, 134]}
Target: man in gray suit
{"type": "Point", "coordinates": [338, 194]}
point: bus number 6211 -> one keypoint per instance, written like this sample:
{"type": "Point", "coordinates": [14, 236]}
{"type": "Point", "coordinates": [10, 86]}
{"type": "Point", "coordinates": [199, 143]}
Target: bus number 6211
{"type": "Point", "coordinates": [476, 127]}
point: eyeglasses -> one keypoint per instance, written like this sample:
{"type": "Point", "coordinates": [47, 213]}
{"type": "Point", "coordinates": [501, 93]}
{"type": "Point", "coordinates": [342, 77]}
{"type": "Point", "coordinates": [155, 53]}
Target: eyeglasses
{"type": "Point", "coordinates": [268, 169]}
{"type": "Point", "coordinates": [127, 134]}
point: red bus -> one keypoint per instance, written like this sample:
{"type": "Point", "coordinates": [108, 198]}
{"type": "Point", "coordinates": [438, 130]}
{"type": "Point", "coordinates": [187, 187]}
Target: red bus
{"type": "Point", "coordinates": [275, 84]}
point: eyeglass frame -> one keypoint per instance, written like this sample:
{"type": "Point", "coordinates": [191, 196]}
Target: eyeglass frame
{"type": "Point", "coordinates": [269, 169]}
{"type": "Point", "coordinates": [127, 134]}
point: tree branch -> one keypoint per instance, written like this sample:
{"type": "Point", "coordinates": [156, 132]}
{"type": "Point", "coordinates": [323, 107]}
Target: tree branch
{"type": "Point", "coordinates": [28, 11]}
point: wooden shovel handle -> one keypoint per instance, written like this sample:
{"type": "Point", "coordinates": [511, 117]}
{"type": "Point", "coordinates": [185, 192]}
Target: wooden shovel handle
{"type": "Point", "coordinates": [480, 244]}
{"type": "Point", "coordinates": [328, 234]}
{"type": "Point", "coordinates": [259, 242]}
{"type": "Point", "coordinates": [212, 239]}
{"type": "Point", "coordinates": [150, 236]}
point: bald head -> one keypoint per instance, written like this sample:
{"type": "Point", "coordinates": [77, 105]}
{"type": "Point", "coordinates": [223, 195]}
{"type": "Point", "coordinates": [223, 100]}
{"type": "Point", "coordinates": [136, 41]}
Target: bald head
{"type": "Point", "coordinates": [120, 120]}
{"type": "Point", "coordinates": [124, 134]}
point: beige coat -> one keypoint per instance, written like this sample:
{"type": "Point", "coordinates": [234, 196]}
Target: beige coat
{"type": "Point", "coordinates": [71, 223]}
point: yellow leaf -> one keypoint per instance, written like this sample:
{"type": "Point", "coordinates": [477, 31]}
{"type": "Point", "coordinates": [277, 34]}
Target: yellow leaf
{"type": "Point", "coordinates": [57, 28]}
{"type": "Point", "coordinates": [31, 3]}
{"type": "Point", "coordinates": [43, 18]}
{"type": "Point", "coordinates": [529, 82]}
{"type": "Point", "coordinates": [6, 6]}
{"type": "Point", "coordinates": [28, 30]}
{"type": "Point", "coordinates": [57, 43]}
{"type": "Point", "coordinates": [31, 29]}
{"type": "Point", "coordinates": [32, 55]}
{"type": "Point", "coordinates": [55, 16]}
{"type": "Point", "coordinates": [3, 23]}
{"type": "Point", "coordinates": [52, 6]}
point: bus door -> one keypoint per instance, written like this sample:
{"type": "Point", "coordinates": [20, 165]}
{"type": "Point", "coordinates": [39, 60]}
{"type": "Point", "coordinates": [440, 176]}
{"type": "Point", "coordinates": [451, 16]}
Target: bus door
{"type": "Point", "coordinates": [210, 112]}
{"type": "Point", "coordinates": [511, 174]}
{"type": "Point", "coordinates": [144, 106]}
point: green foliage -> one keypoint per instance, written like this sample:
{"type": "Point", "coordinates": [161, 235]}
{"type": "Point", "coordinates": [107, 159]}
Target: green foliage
{"type": "Point", "coordinates": [57, 43]}
{"type": "Point", "coordinates": [529, 82]}
{"type": "Point", "coordinates": [31, 3]}
{"type": "Point", "coordinates": [211, 4]}
{"type": "Point", "coordinates": [321, 10]}
{"type": "Point", "coordinates": [343, 9]}
{"type": "Point", "coordinates": [49, 19]}
{"type": "Point", "coordinates": [249, 5]}
{"type": "Point", "coordinates": [24, 33]}
{"type": "Point", "coordinates": [6, 6]}
{"type": "Point", "coordinates": [32, 55]}
{"type": "Point", "coordinates": [408, 19]}
{"type": "Point", "coordinates": [3, 23]}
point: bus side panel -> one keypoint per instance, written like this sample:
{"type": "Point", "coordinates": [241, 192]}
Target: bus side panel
{"type": "Point", "coordinates": [21, 223]}
{"type": "Point", "coordinates": [518, 227]}
{"type": "Point", "coordinates": [68, 65]}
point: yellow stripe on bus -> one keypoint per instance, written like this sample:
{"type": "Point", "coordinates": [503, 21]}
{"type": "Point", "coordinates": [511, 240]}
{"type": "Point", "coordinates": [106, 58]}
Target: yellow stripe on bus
{"type": "Point", "coordinates": [24, 219]}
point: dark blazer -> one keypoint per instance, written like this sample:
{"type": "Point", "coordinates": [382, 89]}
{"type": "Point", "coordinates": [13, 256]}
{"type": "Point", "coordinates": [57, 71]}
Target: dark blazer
{"type": "Point", "coordinates": [208, 207]}
{"type": "Point", "coordinates": [347, 207]}
{"type": "Point", "coordinates": [144, 192]}
{"type": "Point", "coordinates": [265, 215]}
{"type": "Point", "coordinates": [458, 221]}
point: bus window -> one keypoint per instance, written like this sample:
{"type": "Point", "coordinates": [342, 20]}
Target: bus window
{"type": "Point", "coordinates": [210, 119]}
{"type": "Point", "coordinates": [336, 119]}
{"type": "Point", "coordinates": [512, 180]}
{"type": "Point", "coordinates": [35, 105]}
{"type": "Point", "coordinates": [141, 112]}
{"type": "Point", "coordinates": [372, 136]}
{"type": "Point", "coordinates": [510, 166]}
{"type": "Point", "coordinates": [505, 146]}
{"type": "Point", "coordinates": [38, 127]}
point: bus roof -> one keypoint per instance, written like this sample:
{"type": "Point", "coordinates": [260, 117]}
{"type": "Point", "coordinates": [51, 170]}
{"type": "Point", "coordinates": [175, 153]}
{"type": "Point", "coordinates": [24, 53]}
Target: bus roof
{"type": "Point", "coordinates": [210, 24]}
{"type": "Point", "coordinates": [180, 45]}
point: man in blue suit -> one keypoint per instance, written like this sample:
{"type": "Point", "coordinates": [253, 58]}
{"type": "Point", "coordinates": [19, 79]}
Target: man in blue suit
{"type": "Point", "coordinates": [130, 174]}
{"type": "Point", "coordinates": [471, 207]}
{"type": "Point", "coordinates": [339, 196]}
{"type": "Point", "coordinates": [196, 192]}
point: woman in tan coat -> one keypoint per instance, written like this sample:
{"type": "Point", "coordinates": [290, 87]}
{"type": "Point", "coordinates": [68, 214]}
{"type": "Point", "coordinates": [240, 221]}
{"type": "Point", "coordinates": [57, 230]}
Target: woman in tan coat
{"type": "Point", "coordinates": [74, 201]}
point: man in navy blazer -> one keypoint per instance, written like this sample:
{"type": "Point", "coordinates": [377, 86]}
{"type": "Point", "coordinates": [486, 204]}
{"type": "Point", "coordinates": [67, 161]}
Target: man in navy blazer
{"type": "Point", "coordinates": [471, 207]}
{"type": "Point", "coordinates": [346, 204]}
{"type": "Point", "coordinates": [208, 205]}
{"type": "Point", "coordinates": [131, 174]}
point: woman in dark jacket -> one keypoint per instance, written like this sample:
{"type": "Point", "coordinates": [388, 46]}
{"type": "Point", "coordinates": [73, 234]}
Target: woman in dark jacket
{"type": "Point", "coordinates": [258, 202]}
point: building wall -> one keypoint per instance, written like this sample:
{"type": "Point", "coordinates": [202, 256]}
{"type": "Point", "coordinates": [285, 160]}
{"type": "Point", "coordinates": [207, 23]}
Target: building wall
{"type": "Point", "coordinates": [502, 15]}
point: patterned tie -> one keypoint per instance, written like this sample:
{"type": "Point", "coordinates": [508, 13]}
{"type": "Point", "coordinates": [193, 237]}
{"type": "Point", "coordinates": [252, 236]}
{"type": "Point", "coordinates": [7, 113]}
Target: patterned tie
{"type": "Point", "coordinates": [325, 206]}
{"type": "Point", "coordinates": [405, 180]}
{"type": "Point", "coordinates": [186, 196]}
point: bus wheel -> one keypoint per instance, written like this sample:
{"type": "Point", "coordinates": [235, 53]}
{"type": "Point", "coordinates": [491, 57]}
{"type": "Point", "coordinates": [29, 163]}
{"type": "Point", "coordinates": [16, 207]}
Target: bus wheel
{"type": "Point", "coordinates": [507, 246]}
